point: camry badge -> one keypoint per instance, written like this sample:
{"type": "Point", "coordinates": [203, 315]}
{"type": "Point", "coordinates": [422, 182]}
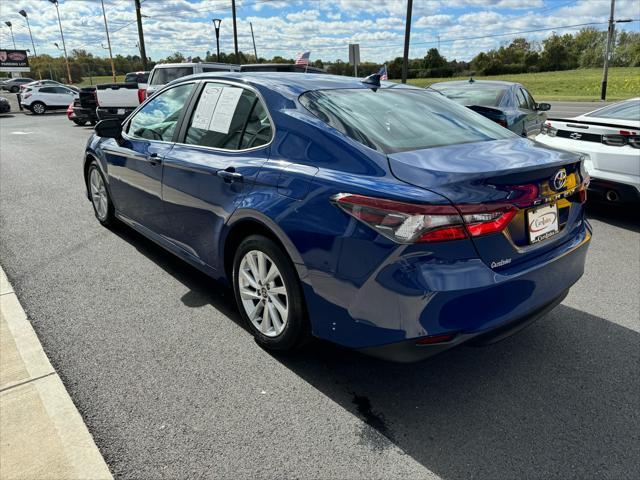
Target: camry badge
{"type": "Point", "coordinates": [559, 179]}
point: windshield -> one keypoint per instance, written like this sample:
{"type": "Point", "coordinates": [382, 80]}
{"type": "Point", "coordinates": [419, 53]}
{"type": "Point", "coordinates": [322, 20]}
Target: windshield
{"type": "Point", "coordinates": [629, 110]}
{"type": "Point", "coordinates": [397, 120]}
{"type": "Point", "coordinates": [470, 94]}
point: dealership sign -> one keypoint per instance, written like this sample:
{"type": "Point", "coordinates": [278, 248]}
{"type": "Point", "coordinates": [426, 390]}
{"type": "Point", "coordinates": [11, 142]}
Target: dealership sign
{"type": "Point", "coordinates": [14, 61]}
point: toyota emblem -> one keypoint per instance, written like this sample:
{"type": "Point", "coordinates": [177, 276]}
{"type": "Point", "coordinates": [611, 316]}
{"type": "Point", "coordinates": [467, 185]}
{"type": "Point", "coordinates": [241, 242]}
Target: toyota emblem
{"type": "Point", "coordinates": [559, 179]}
{"type": "Point", "coordinates": [576, 136]}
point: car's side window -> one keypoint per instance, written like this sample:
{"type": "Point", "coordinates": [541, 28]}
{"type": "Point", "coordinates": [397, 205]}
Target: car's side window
{"type": "Point", "coordinates": [47, 90]}
{"type": "Point", "coordinates": [157, 119]}
{"type": "Point", "coordinates": [530, 102]}
{"type": "Point", "coordinates": [522, 101]}
{"type": "Point", "coordinates": [230, 118]}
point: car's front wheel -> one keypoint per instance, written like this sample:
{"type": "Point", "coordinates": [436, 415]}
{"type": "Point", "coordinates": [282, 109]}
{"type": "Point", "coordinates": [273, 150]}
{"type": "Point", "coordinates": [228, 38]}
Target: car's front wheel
{"type": "Point", "coordinates": [269, 295]}
{"type": "Point", "coordinates": [80, 123]}
{"type": "Point", "coordinates": [38, 108]}
{"type": "Point", "coordinates": [102, 206]}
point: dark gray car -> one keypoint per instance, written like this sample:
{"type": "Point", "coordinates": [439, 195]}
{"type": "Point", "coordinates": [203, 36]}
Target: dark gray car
{"type": "Point", "coordinates": [13, 84]}
{"type": "Point", "coordinates": [507, 103]}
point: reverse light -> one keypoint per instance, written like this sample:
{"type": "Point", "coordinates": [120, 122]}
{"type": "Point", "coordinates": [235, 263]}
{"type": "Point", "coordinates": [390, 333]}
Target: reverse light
{"type": "Point", "coordinates": [413, 223]}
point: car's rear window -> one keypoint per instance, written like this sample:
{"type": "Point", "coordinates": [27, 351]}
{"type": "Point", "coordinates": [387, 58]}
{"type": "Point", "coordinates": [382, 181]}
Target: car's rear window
{"type": "Point", "coordinates": [400, 119]}
{"type": "Point", "coordinates": [483, 95]}
{"type": "Point", "coordinates": [629, 110]}
{"type": "Point", "coordinates": [136, 77]}
{"type": "Point", "coordinates": [162, 76]}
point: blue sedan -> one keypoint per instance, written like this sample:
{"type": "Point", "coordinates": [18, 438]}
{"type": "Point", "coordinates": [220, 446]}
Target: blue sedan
{"type": "Point", "coordinates": [378, 216]}
{"type": "Point", "coordinates": [506, 103]}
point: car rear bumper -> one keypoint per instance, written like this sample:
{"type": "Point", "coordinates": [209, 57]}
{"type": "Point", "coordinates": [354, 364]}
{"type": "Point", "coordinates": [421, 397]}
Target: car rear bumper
{"type": "Point", "coordinates": [84, 114]}
{"type": "Point", "coordinates": [415, 297]}
{"type": "Point", "coordinates": [108, 112]}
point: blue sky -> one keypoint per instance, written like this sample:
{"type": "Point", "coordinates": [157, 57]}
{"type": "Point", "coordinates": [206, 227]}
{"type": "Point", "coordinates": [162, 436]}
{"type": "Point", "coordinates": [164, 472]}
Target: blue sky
{"type": "Point", "coordinates": [325, 27]}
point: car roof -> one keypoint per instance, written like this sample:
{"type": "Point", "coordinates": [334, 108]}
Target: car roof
{"type": "Point", "coordinates": [478, 82]}
{"type": "Point", "coordinates": [292, 84]}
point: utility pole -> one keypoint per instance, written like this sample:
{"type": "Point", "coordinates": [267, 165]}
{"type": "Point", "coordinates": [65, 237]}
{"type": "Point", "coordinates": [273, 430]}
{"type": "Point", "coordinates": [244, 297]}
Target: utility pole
{"type": "Point", "coordinates": [407, 34]}
{"type": "Point", "coordinates": [106, 29]}
{"type": "Point", "coordinates": [143, 52]}
{"type": "Point", "coordinates": [605, 71]}
{"type": "Point", "coordinates": [235, 31]}
{"type": "Point", "coordinates": [255, 52]}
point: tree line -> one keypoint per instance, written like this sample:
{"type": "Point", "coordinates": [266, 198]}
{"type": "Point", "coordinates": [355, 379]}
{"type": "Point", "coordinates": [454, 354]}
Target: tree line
{"type": "Point", "coordinates": [584, 49]}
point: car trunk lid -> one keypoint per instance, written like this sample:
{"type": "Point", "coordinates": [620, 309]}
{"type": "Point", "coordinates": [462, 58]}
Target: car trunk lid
{"type": "Point", "coordinates": [512, 173]}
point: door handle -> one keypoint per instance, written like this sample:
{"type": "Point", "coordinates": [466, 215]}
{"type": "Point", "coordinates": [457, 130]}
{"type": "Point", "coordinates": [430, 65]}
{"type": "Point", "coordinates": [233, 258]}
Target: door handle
{"type": "Point", "coordinates": [153, 158]}
{"type": "Point", "coordinates": [229, 175]}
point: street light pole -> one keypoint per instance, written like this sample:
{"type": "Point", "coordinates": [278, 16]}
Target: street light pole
{"type": "Point", "coordinates": [106, 29]}
{"type": "Point", "coordinates": [64, 47]}
{"type": "Point", "coordinates": [407, 34]}
{"type": "Point", "coordinates": [24, 14]}
{"type": "Point", "coordinates": [10, 25]}
{"type": "Point", "coordinates": [235, 31]}
{"type": "Point", "coordinates": [216, 25]}
{"type": "Point", "coordinates": [33, 44]}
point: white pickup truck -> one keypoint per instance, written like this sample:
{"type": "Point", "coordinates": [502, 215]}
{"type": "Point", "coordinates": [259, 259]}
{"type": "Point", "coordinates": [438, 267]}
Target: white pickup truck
{"type": "Point", "coordinates": [118, 100]}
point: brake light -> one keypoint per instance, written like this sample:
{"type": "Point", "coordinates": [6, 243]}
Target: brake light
{"type": "Point", "coordinates": [95, 96]}
{"type": "Point", "coordinates": [142, 95]}
{"type": "Point", "coordinates": [624, 138]}
{"type": "Point", "coordinates": [502, 123]}
{"type": "Point", "coordinates": [547, 129]}
{"type": "Point", "coordinates": [25, 96]}
{"type": "Point", "coordinates": [412, 223]}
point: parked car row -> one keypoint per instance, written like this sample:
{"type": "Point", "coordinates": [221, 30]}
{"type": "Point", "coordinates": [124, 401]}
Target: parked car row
{"type": "Point", "coordinates": [389, 220]}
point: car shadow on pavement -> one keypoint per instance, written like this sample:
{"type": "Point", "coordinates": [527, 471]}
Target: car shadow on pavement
{"type": "Point", "coordinates": [560, 400]}
{"type": "Point", "coordinates": [615, 214]}
{"type": "Point", "coordinates": [203, 290]}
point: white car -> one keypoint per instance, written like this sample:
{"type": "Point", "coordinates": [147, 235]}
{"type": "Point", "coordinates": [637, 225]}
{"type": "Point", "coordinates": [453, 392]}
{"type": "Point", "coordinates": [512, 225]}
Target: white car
{"type": "Point", "coordinates": [610, 140]}
{"type": "Point", "coordinates": [49, 97]}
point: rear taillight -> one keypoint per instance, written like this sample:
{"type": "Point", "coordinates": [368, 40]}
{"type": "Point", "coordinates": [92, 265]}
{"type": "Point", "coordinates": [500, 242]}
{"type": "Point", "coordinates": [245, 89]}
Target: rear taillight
{"type": "Point", "coordinates": [625, 137]}
{"type": "Point", "coordinates": [413, 223]}
{"type": "Point", "coordinates": [142, 95]}
{"type": "Point", "coordinates": [25, 96]}
{"type": "Point", "coordinates": [502, 122]}
{"type": "Point", "coordinates": [95, 96]}
{"type": "Point", "coordinates": [547, 129]}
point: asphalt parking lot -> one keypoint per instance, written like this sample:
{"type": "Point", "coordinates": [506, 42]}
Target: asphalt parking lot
{"type": "Point", "coordinates": [171, 385]}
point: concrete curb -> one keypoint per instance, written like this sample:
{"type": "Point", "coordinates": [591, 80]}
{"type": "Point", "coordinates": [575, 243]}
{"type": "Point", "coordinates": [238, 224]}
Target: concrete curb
{"type": "Point", "coordinates": [42, 434]}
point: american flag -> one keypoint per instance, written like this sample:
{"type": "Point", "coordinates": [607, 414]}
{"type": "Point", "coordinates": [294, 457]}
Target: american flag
{"type": "Point", "coordinates": [303, 58]}
{"type": "Point", "coordinates": [383, 73]}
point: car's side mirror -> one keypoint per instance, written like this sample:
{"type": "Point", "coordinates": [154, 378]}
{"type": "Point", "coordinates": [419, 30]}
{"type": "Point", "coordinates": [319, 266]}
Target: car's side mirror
{"type": "Point", "coordinates": [543, 107]}
{"type": "Point", "coordinates": [109, 128]}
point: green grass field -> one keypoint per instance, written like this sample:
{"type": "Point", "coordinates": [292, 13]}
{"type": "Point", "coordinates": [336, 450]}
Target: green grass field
{"type": "Point", "coordinates": [86, 81]}
{"type": "Point", "coordinates": [570, 85]}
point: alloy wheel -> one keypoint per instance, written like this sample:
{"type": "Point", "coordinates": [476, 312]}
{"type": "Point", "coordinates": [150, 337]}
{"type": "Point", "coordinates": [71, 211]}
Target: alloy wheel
{"type": "Point", "coordinates": [263, 293]}
{"type": "Point", "coordinates": [38, 108]}
{"type": "Point", "coordinates": [98, 194]}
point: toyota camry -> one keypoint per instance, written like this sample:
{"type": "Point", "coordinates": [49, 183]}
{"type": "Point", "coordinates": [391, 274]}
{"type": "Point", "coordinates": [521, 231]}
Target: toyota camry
{"type": "Point", "coordinates": [378, 216]}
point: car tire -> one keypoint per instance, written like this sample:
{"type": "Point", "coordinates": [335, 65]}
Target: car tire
{"type": "Point", "coordinates": [99, 195]}
{"type": "Point", "coordinates": [14, 89]}
{"type": "Point", "coordinates": [280, 292]}
{"type": "Point", "coordinates": [38, 108]}
{"type": "Point", "coordinates": [80, 123]}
